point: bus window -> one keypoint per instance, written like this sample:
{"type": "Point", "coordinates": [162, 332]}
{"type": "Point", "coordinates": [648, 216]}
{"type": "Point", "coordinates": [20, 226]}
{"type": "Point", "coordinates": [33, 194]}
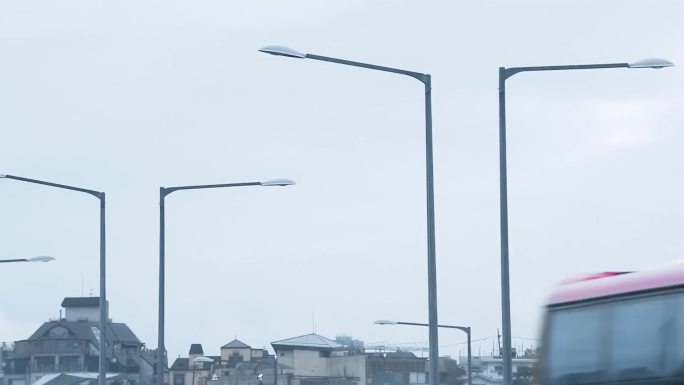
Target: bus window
{"type": "Point", "coordinates": [676, 347]}
{"type": "Point", "coordinates": [575, 340]}
{"type": "Point", "coordinates": [639, 335]}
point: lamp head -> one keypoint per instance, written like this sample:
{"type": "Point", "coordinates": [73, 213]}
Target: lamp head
{"type": "Point", "coordinates": [40, 259]}
{"type": "Point", "coordinates": [386, 322]}
{"type": "Point", "coordinates": [280, 50]}
{"type": "Point", "coordinates": [277, 182]}
{"type": "Point", "coordinates": [3, 176]}
{"type": "Point", "coordinates": [654, 63]}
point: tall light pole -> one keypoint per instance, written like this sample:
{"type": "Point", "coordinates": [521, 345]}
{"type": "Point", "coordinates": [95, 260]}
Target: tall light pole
{"type": "Point", "coordinates": [465, 329]}
{"type": "Point", "coordinates": [102, 370]}
{"type": "Point", "coordinates": [32, 259]}
{"type": "Point", "coordinates": [505, 73]}
{"type": "Point", "coordinates": [163, 192]}
{"type": "Point", "coordinates": [431, 260]}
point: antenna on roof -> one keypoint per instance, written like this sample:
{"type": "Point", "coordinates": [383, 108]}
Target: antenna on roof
{"type": "Point", "coordinates": [313, 321]}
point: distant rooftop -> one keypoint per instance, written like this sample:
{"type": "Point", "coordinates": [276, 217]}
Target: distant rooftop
{"type": "Point", "coordinates": [85, 331]}
{"type": "Point", "coordinates": [236, 344]}
{"type": "Point", "coordinates": [309, 341]}
{"type": "Point", "coordinates": [196, 349]}
{"type": "Point", "coordinates": [81, 302]}
{"type": "Point", "coordinates": [184, 363]}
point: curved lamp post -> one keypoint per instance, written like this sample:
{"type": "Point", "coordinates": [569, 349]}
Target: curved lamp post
{"type": "Point", "coordinates": [465, 329]}
{"type": "Point", "coordinates": [102, 370]}
{"type": "Point", "coordinates": [505, 73]}
{"type": "Point", "coordinates": [33, 259]}
{"type": "Point", "coordinates": [279, 50]}
{"type": "Point", "coordinates": [163, 192]}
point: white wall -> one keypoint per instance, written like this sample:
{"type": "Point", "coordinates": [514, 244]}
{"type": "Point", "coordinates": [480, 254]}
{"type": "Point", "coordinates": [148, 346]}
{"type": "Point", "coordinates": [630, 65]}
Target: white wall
{"type": "Point", "coordinates": [349, 366]}
{"type": "Point", "coordinates": [77, 313]}
{"type": "Point", "coordinates": [309, 363]}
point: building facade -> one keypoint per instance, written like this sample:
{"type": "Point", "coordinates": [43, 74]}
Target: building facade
{"type": "Point", "coordinates": [317, 360]}
{"type": "Point", "coordinates": [72, 345]}
{"type": "Point", "coordinates": [489, 370]}
{"type": "Point", "coordinates": [238, 364]}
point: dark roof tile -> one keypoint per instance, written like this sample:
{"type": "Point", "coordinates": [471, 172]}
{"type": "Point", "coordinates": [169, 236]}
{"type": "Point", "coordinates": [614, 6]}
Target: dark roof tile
{"type": "Point", "coordinates": [81, 302]}
{"type": "Point", "coordinates": [196, 349]}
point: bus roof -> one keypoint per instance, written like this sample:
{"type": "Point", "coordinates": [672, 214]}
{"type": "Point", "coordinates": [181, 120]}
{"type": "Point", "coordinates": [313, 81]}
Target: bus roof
{"type": "Point", "coordinates": [609, 284]}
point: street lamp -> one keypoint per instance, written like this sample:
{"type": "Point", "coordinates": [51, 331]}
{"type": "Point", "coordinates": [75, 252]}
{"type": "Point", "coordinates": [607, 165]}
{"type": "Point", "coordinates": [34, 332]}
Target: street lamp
{"type": "Point", "coordinates": [194, 365]}
{"type": "Point", "coordinates": [33, 259]}
{"type": "Point", "coordinates": [465, 329]}
{"type": "Point", "coordinates": [431, 260]}
{"type": "Point", "coordinates": [163, 192]}
{"type": "Point", "coordinates": [505, 73]}
{"type": "Point", "coordinates": [102, 372]}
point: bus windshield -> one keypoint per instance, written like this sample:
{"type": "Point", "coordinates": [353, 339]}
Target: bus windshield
{"type": "Point", "coordinates": [633, 338]}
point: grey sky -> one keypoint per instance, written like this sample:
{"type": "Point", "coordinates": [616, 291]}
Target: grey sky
{"type": "Point", "coordinates": [128, 96]}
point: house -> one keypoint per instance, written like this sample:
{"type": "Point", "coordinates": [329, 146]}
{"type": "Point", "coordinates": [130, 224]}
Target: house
{"type": "Point", "coordinates": [193, 370]}
{"type": "Point", "coordinates": [317, 360]}
{"type": "Point", "coordinates": [309, 359]}
{"type": "Point", "coordinates": [489, 370]}
{"type": "Point", "coordinates": [238, 364]}
{"type": "Point", "coordinates": [72, 345]}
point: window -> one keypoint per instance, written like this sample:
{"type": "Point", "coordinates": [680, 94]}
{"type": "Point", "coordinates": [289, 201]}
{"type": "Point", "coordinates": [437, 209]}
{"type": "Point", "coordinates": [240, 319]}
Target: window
{"type": "Point", "coordinates": [96, 333]}
{"type": "Point", "coordinates": [58, 332]}
{"type": "Point", "coordinates": [45, 364]}
{"type": "Point", "coordinates": [575, 345]}
{"type": "Point", "coordinates": [418, 378]}
{"type": "Point", "coordinates": [620, 340]}
{"type": "Point", "coordinates": [179, 379]}
{"type": "Point", "coordinates": [69, 364]}
{"type": "Point", "coordinates": [639, 332]}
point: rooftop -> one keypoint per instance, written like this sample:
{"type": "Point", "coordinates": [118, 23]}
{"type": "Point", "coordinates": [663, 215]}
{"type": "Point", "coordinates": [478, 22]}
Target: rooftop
{"type": "Point", "coordinates": [309, 341]}
{"type": "Point", "coordinates": [196, 349]}
{"type": "Point", "coordinates": [184, 363]}
{"type": "Point", "coordinates": [81, 302]}
{"type": "Point", "coordinates": [236, 344]}
{"type": "Point", "coordinates": [85, 331]}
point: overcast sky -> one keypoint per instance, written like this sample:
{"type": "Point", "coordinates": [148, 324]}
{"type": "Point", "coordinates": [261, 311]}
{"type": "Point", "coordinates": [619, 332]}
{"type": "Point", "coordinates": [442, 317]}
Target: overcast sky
{"type": "Point", "coordinates": [128, 96]}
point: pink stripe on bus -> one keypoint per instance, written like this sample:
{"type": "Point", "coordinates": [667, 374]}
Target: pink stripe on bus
{"type": "Point", "coordinates": [611, 284]}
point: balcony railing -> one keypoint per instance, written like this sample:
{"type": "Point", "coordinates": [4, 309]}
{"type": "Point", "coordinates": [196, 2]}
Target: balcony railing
{"type": "Point", "coordinates": [57, 347]}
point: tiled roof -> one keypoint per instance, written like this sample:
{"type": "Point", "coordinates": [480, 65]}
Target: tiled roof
{"type": "Point", "coordinates": [196, 349]}
{"type": "Point", "coordinates": [81, 302]}
{"type": "Point", "coordinates": [180, 364]}
{"type": "Point", "coordinates": [235, 344]}
{"type": "Point", "coordinates": [309, 341]}
{"type": "Point", "coordinates": [83, 331]}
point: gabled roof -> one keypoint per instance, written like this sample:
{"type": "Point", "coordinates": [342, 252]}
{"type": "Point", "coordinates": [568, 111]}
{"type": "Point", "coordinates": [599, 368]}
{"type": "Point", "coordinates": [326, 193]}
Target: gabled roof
{"type": "Point", "coordinates": [236, 344]}
{"type": "Point", "coordinates": [81, 302]}
{"type": "Point", "coordinates": [307, 342]}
